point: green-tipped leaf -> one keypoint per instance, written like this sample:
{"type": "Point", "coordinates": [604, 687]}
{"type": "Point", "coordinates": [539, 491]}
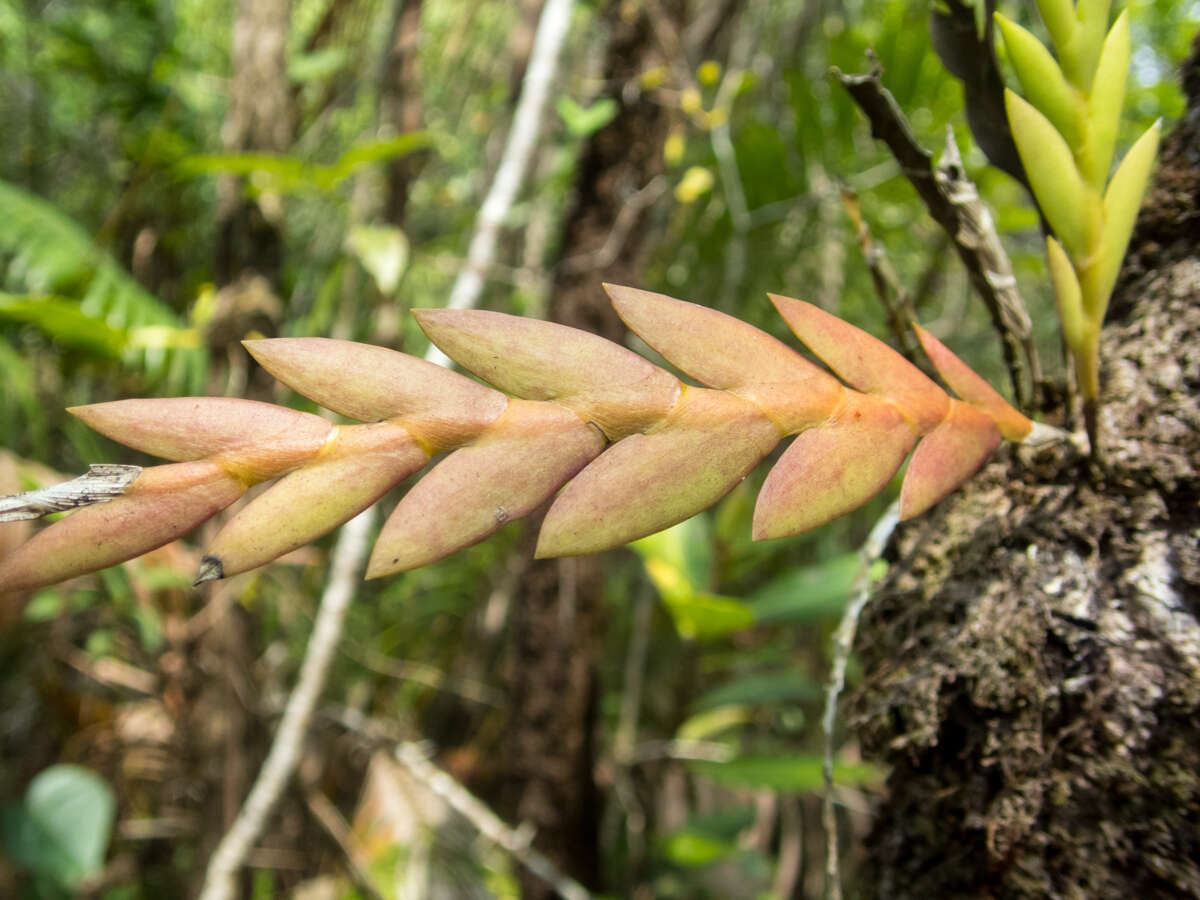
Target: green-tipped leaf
{"type": "Point", "coordinates": [1068, 295]}
{"type": "Point", "coordinates": [648, 482]}
{"type": "Point", "coordinates": [1121, 204]}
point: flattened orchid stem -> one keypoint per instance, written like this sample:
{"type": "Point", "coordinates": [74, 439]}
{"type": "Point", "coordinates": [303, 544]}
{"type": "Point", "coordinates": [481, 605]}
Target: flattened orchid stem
{"type": "Point", "coordinates": [727, 354]}
{"type": "Point", "coordinates": [360, 465]}
{"type": "Point", "coordinates": [531, 451]}
{"type": "Point", "coordinates": [865, 362]}
{"type": "Point", "coordinates": [255, 440]}
{"type": "Point", "coordinates": [370, 383]}
{"type": "Point", "coordinates": [834, 468]}
{"type": "Point", "coordinates": [163, 504]}
{"type": "Point", "coordinates": [648, 482]}
{"type": "Point", "coordinates": [534, 360]}
{"type": "Point", "coordinates": [946, 457]}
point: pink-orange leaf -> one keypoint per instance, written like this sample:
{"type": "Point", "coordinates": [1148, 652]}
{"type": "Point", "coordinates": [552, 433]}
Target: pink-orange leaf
{"type": "Point", "coordinates": [371, 383]}
{"type": "Point", "coordinates": [529, 453]}
{"type": "Point", "coordinates": [965, 382]}
{"type": "Point", "coordinates": [730, 355]}
{"type": "Point", "coordinates": [360, 465]}
{"type": "Point", "coordinates": [648, 482]}
{"type": "Point", "coordinates": [164, 503]}
{"type": "Point", "coordinates": [865, 362]}
{"type": "Point", "coordinates": [833, 468]}
{"type": "Point", "coordinates": [946, 457]}
{"type": "Point", "coordinates": [605, 383]}
{"type": "Point", "coordinates": [254, 440]}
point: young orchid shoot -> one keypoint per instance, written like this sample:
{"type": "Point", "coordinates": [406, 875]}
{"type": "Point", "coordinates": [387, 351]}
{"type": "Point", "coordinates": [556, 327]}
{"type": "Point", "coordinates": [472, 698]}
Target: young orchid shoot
{"type": "Point", "coordinates": [1065, 129]}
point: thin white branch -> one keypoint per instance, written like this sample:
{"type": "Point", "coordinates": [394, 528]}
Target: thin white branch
{"type": "Point", "coordinates": [517, 841]}
{"type": "Point", "coordinates": [514, 163]}
{"type": "Point", "coordinates": [231, 853]}
{"type": "Point", "coordinates": [101, 482]}
{"type": "Point", "coordinates": [843, 643]}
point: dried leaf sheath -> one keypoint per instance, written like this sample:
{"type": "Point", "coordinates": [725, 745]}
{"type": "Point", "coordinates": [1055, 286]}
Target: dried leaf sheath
{"type": "Point", "coordinates": [632, 449]}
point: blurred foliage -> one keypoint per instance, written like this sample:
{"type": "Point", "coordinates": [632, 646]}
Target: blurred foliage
{"type": "Point", "coordinates": [110, 161]}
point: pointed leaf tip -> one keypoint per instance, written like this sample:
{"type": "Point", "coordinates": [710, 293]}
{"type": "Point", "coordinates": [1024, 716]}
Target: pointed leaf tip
{"type": "Point", "coordinates": [972, 388]}
{"type": "Point", "coordinates": [946, 457]}
{"type": "Point", "coordinates": [865, 362]}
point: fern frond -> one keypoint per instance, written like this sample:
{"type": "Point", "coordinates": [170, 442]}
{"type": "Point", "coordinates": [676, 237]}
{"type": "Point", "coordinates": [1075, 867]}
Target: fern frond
{"type": "Point", "coordinates": [628, 447]}
{"type": "Point", "coordinates": [66, 284]}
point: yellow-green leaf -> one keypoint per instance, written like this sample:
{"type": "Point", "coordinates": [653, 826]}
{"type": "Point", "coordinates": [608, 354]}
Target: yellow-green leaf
{"type": "Point", "coordinates": [1108, 96]}
{"type": "Point", "coordinates": [1066, 290]}
{"type": "Point", "coordinates": [1050, 166]}
{"type": "Point", "coordinates": [1121, 204]}
{"type": "Point", "coordinates": [1043, 81]}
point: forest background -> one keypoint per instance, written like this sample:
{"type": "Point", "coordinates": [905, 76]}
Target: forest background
{"type": "Point", "coordinates": [177, 176]}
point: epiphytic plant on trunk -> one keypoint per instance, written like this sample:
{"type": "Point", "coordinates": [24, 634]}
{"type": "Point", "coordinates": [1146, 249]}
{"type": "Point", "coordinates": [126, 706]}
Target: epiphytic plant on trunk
{"type": "Point", "coordinates": [637, 449]}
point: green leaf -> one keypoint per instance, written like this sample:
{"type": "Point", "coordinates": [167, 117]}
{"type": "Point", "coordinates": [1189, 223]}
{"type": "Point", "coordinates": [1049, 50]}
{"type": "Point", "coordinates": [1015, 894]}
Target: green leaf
{"type": "Point", "coordinates": [692, 848]}
{"type": "Point", "coordinates": [760, 688]}
{"type": "Point", "coordinates": [1108, 97]}
{"type": "Point", "coordinates": [701, 617]}
{"type": "Point", "coordinates": [62, 321]}
{"type": "Point", "coordinates": [1122, 201]}
{"type": "Point", "coordinates": [1043, 81]}
{"type": "Point", "coordinates": [1055, 180]}
{"type": "Point", "coordinates": [584, 121]}
{"type": "Point", "coordinates": [808, 593]}
{"type": "Point", "coordinates": [784, 772]}
{"type": "Point", "coordinates": [1068, 295]}
{"type": "Point", "coordinates": [383, 251]}
{"type": "Point", "coordinates": [62, 829]}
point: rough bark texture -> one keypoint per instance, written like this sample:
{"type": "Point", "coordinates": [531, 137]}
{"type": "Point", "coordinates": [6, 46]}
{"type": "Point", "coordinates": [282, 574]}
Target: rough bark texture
{"type": "Point", "coordinates": [1032, 664]}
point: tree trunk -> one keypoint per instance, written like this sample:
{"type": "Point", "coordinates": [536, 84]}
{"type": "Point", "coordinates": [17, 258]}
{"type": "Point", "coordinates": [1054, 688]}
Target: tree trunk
{"type": "Point", "coordinates": [1032, 662]}
{"type": "Point", "coordinates": [260, 117]}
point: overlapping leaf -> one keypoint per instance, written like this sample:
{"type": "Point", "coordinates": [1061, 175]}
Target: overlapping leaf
{"type": "Point", "coordinates": [636, 449]}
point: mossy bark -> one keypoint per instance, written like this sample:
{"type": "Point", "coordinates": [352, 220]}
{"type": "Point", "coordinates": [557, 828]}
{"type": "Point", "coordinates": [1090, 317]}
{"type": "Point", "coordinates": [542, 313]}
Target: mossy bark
{"type": "Point", "coordinates": [1032, 662]}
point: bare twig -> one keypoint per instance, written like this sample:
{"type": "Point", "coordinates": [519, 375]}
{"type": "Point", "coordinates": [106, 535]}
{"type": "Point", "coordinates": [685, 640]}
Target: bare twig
{"type": "Point", "coordinates": [514, 164]}
{"type": "Point", "coordinates": [897, 302]}
{"type": "Point", "coordinates": [954, 203]}
{"type": "Point", "coordinates": [101, 482]}
{"type": "Point", "coordinates": [517, 841]}
{"type": "Point", "coordinates": [236, 844]}
{"type": "Point", "coordinates": [843, 643]}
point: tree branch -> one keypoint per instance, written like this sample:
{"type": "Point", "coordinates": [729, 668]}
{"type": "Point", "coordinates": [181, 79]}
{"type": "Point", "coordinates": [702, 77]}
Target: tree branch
{"type": "Point", "coordinates": [101, 482]}
{"type": "Point", "coordinates": [954, 202]}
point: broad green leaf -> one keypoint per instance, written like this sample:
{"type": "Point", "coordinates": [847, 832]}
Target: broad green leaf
{"type": "Point", "coordinates": [807, 593]}
{"type": "Point", "coordinates": [760, 688]}
{"type": "Point", "coordinates": [700, 617]}
{"type": "Point", "coordinates": [62, 321]}
{"type": "Point", "coordinates": [784, 772]}
{"type": "Point", "coordinates": [62, 829]}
